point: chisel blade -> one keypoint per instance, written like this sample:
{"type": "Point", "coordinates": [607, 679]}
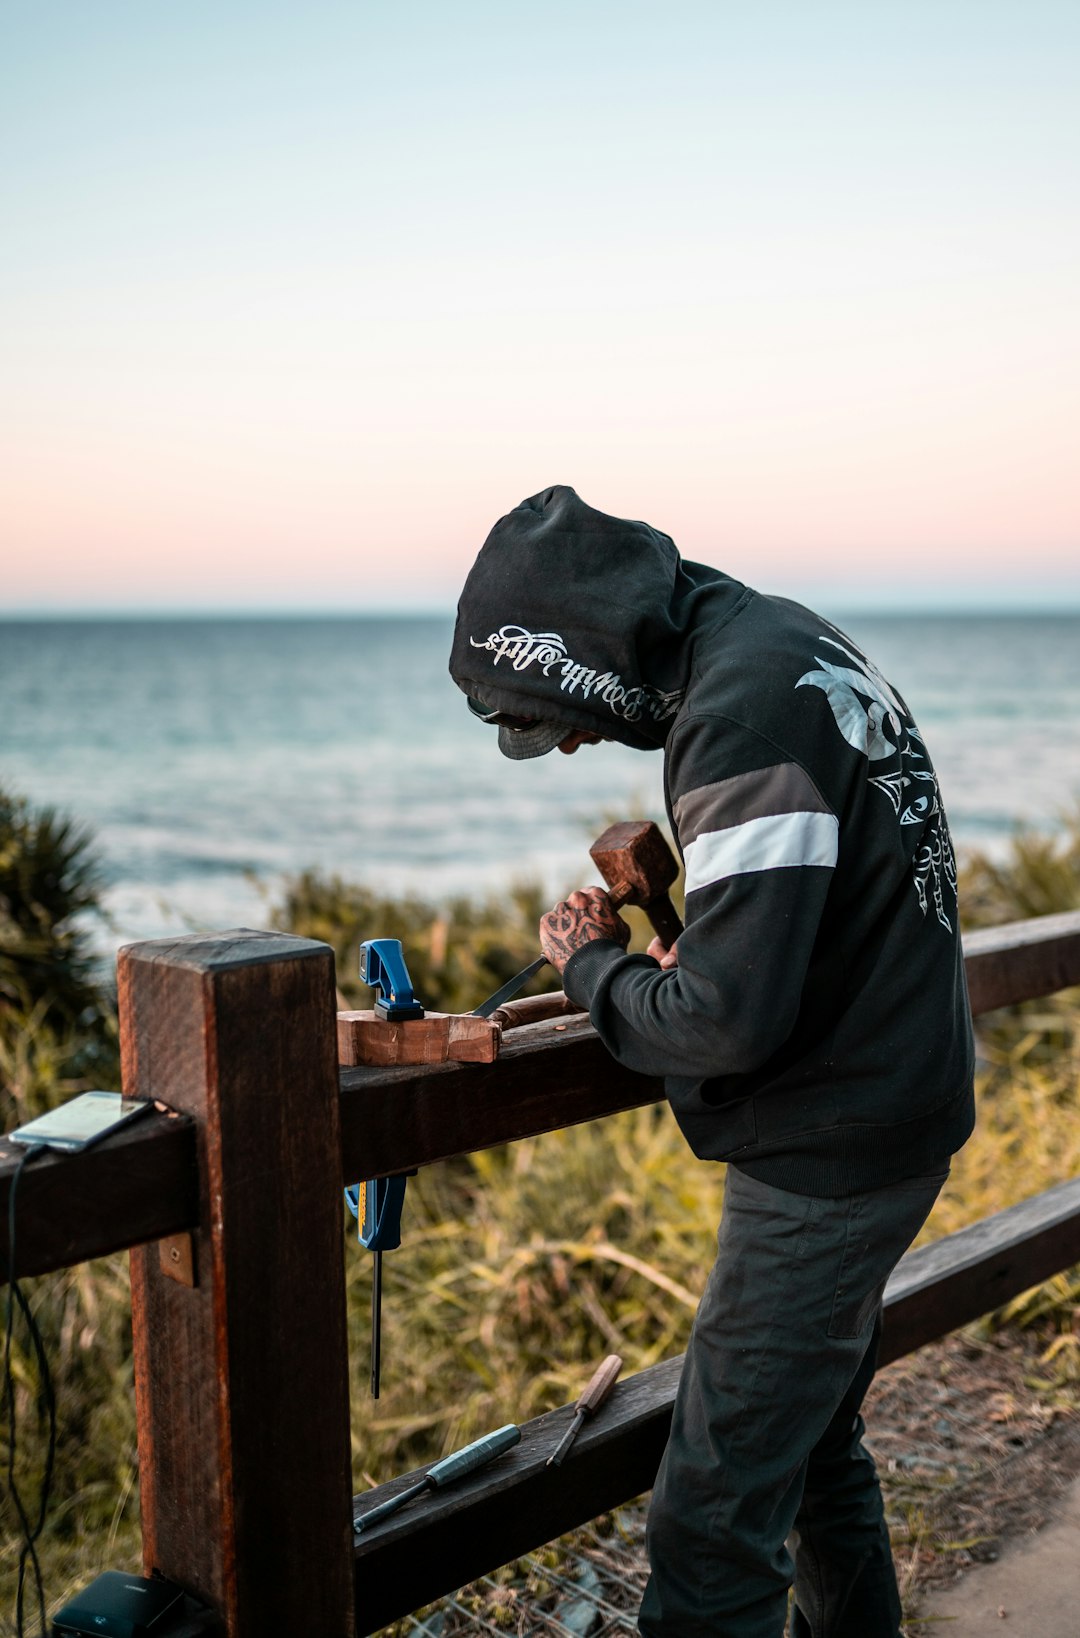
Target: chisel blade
{"type": "Point", "coordinates": [509, 989]}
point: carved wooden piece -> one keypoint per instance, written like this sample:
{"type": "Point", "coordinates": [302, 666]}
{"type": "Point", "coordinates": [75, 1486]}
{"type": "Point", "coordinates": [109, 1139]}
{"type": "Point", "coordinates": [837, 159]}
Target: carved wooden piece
{"type": "Point", "coordinates": [444, 1539]}
{"type": "Point", "coordinates": [535, 1009]}
{"type": "Point", "coordinates": [242, 1381]}
{"type": "Point", "coordinates": [638, 866]}
{"type": "Point", "coordinates": [438, 1037]}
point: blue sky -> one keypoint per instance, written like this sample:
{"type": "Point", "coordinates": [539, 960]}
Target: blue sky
{"type": "Point", "coordinates": [298, 300]}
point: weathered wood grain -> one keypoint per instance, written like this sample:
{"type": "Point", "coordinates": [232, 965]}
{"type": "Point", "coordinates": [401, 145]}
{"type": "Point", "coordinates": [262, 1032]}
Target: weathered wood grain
{"type": "Point", "coordinates": [547, 1075]}
{"type": "Point", "coordinates": [519, 1503]}
{"type": "Point", "coordinates": [242, 1379]}
{"type": "Point", "coordinates": [139, 1184]}
{"type": "Point", "coordinates": [548, 1078]}
{"type": "Point", "coordinates": [1021, 960]}
{"type": "Point", "coordinates": [516, 1504]}
{"type": "Point", "coordinates": [941, 1286]}
{"type": "Point", "coordinates": [236, 1032]}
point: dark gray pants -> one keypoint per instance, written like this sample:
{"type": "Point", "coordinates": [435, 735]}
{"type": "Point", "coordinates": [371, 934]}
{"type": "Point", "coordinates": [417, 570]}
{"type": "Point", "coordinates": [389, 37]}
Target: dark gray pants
{"type": "Point", "coordinates": [766, 1434]}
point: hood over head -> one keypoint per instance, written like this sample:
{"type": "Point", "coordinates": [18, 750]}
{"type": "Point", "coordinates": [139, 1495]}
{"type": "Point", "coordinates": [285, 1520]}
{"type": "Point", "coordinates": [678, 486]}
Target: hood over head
{"type": "Point", "coordinates": [573, 617]}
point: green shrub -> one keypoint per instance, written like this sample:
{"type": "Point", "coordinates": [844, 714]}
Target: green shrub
{"type": "Point", "coordinates": [457, 952]}
{"type": "Point", "coordinates": [58, 1036]}
{"type": "Point", "coordinates": [1039, 875]}
{"type": "Point", "coordinates": [57, 1023]}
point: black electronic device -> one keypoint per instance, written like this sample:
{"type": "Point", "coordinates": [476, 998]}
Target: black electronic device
{"type": "Point", "coordinates": [122, 1606]}
{"type": "Point", "coordinates": [80, 1122]}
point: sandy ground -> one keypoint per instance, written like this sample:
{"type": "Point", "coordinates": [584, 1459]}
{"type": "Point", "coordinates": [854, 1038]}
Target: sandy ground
{"type": "Point", "coordinates": [973, 1458]}
{"type": "Point", "coordinates": [1034, 1586]}
{"type": "Point", "coordinates": [981, 1473]}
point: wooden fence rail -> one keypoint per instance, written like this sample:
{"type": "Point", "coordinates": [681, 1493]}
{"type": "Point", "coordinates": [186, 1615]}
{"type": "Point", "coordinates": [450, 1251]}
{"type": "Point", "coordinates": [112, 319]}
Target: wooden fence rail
{"type": "Point", "coordinates": [241, 1369]}
{"type": "Point", "coordinates": [141, 1184]}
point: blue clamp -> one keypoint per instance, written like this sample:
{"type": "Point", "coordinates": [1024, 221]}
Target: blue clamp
{"type": "Point", "coordinates": [377, 1209]}
{"type": "Point", "coordinates": [382, 965]}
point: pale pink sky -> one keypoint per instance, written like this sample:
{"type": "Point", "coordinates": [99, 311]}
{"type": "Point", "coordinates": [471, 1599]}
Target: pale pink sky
{"type": "Point", "coordinates": [297, 305]}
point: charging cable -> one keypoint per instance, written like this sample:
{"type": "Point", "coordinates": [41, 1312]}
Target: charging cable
{"type": "Point", "coordinates": [46, 1402]}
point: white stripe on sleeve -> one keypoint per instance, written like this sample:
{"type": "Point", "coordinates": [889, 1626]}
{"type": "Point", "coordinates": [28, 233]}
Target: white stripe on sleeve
{"type": "Point", "coordinates": [776, 842]}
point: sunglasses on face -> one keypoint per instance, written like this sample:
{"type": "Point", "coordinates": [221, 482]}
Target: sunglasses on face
{"type": "Point", "coordinates": [499, 719]}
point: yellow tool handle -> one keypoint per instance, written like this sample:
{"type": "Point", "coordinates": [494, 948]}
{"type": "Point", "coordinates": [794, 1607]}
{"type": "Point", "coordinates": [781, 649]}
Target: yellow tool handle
{"type": "Point", "coordinates": [603, 1380]}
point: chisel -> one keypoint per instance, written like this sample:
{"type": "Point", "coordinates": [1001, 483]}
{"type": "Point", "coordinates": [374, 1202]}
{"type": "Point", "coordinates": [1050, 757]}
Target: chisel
{"type": "Point", "coordinates": [619, 893]}
{"type": "Point", "coordinates": [508, 990]}
{"type": "Point", "coordinates": [597, 1392]}
{"type": "Point", "coordinates": [448, 1471]}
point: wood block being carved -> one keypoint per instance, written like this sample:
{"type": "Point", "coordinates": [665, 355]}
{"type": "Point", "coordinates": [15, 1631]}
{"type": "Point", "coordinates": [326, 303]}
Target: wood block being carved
{"type": "Point", "coordinates": [364, 1038]}
{"type": "Point", "coordinates": [473, 1040]}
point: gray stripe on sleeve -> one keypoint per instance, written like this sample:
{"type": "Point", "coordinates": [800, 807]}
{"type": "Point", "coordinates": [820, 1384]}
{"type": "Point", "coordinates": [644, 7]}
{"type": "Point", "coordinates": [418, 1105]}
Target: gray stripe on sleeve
{"type": "Point", "coordinates": [785, 788]}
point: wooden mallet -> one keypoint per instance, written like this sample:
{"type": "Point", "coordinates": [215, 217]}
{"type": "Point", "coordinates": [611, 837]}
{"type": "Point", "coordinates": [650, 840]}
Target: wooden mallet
{"type": "Point", "coordinates": [638, 868]}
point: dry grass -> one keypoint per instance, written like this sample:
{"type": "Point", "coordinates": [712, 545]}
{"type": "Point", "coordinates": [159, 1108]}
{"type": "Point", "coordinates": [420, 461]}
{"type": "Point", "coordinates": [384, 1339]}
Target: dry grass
{"type": "Point", "coordinates": [522, 1266]}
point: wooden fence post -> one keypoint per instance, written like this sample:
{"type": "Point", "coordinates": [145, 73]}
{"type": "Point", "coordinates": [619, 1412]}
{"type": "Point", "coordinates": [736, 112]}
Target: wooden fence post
{"type": "Point", "coordinates": [242, 1376]}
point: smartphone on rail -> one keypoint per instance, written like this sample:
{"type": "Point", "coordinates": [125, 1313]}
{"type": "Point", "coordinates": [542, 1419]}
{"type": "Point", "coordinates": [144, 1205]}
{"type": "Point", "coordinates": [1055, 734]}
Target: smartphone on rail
{"type": "Point", "coordinates": [81, 1121]}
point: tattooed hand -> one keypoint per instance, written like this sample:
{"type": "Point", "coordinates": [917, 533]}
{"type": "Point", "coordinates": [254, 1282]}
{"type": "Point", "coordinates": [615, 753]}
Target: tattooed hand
{"type": "Point", "coordinates": [576, 921]}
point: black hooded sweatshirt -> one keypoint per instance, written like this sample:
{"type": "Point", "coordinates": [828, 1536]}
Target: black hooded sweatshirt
{"type": "Point", "coordinates": [816, 1031]}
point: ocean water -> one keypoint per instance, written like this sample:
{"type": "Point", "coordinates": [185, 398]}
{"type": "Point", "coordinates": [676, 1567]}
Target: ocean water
{"type": "Point", "coordinates": [213, 757]}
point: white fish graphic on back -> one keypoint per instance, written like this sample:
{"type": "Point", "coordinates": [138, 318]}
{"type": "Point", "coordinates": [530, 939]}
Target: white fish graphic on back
{"type": "Point", "coordinates": [875, 721]}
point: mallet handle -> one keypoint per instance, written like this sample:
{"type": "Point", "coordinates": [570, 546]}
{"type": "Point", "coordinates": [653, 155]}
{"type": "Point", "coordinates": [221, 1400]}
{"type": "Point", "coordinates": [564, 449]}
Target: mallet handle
{"type": "Point", "coordinates": [661, 912]}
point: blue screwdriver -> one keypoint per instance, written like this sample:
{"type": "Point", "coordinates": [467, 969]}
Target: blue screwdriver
{"type": "Point", "coordinates": [376, 1204]}
{"type": "Point", "coordinates": [448, 1471]}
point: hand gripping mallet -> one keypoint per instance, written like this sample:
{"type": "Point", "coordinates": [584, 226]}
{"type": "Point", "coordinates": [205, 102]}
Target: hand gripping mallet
{"type": "Point", "coordinates": [639, 867]}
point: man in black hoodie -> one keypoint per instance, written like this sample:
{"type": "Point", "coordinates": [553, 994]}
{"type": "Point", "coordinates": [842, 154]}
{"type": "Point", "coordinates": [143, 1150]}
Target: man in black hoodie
{"type": "Point", "coordinates": [812, 1024]}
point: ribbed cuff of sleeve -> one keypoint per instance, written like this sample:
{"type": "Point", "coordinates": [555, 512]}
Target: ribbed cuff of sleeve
{"type": "Point", "coordinates": [587, 966]}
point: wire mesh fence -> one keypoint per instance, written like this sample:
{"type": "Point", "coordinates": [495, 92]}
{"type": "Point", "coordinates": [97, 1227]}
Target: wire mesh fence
{"type": "Point", "coordinates": [588, 1585]}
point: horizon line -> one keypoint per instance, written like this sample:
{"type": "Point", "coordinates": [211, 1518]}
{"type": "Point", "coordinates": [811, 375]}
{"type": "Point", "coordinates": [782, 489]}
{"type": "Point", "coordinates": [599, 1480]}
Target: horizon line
{"type": "Point", "coordinates": [1058, 608]}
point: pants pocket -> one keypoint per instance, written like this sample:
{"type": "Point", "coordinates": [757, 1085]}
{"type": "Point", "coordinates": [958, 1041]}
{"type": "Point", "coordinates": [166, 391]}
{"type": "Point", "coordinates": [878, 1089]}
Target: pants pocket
{"type": "Point", "coordinates": [857, 1294]}
{"type": "Point", "coordinates": [880, 1228]}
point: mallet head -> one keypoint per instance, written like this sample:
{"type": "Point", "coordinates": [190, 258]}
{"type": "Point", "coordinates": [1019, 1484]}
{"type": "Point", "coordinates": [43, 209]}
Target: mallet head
{"type": "Point", "coordinates": [634, 857]}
